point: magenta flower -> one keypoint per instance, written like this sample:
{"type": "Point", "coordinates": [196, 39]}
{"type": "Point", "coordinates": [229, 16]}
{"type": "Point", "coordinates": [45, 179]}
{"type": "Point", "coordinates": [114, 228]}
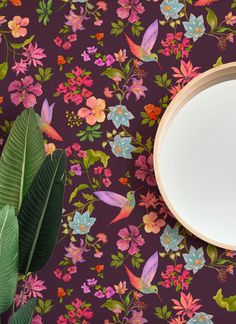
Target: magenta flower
{"type": "Point", "coordinates": [130, 239]}
{"type": "Point", "coordinates": [37, 320]}
{"type": "Point", "coordinates": [76, 253]}
{"type": "Point", "coordinates": [137, 88]}
{"type": "Point", "coordinates": [75, 21]}
{"type": "Point", "coordinates": [34, 54]}
{"type": "Point", "coordinates": [146, 171]}
{"type": "Point", "coordinates": [185, 73]}
{"type": "Point", "coordinates": [85, 288]}
{"type": "Point", "coordinates": [130, 9]}
{"type": "Point", "coordinates": [137, 317]}
{"type": "Point", "coordinates": [99, 294]}
{"type": "Point", "coordinates": [109, 60]}
{"type": "Point", "coordinates": [109, 292]}
{"type": "Point", "coordinates": [24, 91]}
{"type": "Point", "coordinates": [76, 168]}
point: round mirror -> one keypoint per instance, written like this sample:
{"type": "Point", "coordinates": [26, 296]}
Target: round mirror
{"type": "Point", "coordinates": [195, 156]}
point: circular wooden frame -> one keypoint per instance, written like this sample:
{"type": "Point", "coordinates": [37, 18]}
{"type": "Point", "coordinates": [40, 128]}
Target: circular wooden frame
{"type": "Point", "coordinates": [205, 80]}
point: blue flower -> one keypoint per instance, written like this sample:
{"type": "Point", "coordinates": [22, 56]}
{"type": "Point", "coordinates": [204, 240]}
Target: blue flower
{"type": "Point", "coordinates": [171, 9]}
{"type": "Point", "coordinates": [82, 224]}
{"type": "Point", "coordinates": [194, 259]}
{"type": "Point", "coordinates": [170, 238]}
{"type": "Point", "coordinates": [194, 27]}
{"type": "Point", "coordinates": [119, 115]}
{"type": "Point", "coordinates": [201, 318]}
{"type": "Point", "coordinates": [121, 147]}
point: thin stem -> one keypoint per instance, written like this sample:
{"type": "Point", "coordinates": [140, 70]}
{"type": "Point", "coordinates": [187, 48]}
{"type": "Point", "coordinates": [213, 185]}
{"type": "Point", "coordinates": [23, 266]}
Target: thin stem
{"type": "Point", "coordinates": [23, 291]}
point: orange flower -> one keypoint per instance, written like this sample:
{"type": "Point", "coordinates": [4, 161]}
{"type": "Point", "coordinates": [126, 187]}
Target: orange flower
{"type": "Point", "coordinates": [61, 292]}
{"type": "Point", "coordinates": [99, 36]}
{"type": "Point", "coordinates": [99, 268]}
{"type": "Point", "coordinates": [1, 100]}
{"type": "Point", "coordinates": [152, 111]}
{"type": "Point", "coordinates": [61, 60]}
{"type": "Point", "coordinates": [123, 181]}
{"type": "Point", "coordinates": [16, 2]}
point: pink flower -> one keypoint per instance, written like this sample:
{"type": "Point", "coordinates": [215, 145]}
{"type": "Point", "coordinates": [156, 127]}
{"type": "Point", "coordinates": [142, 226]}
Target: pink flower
{"type": "Point", "coordinates": [68, 151]}
{"type": "Point", "coordinates": [76, 253]}
{"type": "Point", "coordinates": [85, 288]}
{"type": "Point", "coordinates": [76, 168]}
{"type": "Point", "coordinates": [58, 273]}
{"type": "Point", "coordinates": [108, 93]}
{"type": "Point", "coordinates": [62, 320]}
{"type": "Point", "coordinates": [146, 171]}
{"type": "Point", "coordinates": [20, 67]}
{"type": "Point", "coordinates": [130, 9]}
{"type": "Point", "coordinates": [77, 303]}
{"type": "Point", "coordinates": [85, 56]}
{"type": "Point", "coordinates": [37, 320]}
{"type": "Point", "coordinates": [149, 200]}
{"type": "Point", "coordinates": [95, 113]}
{"type": "Point", "coordinates": [72, 37]}
{"type": "Point", "coordinates": [87, 313]}
{"type": "Point", "coordinates": [98, 170]}
{"type": "Point", "coordinates": [66, 45]}
{"type": "Point", "coordinates": [109, 60]}
{"type": "Point", "coordinates": [99, 294]}
{"type": "Point", "coordinates": [72, 269]}
{"type": "Point", "coordinates": [58, 41]}
{"type": "Point", "coordinates": [92, 49]}
{"type": "Point", "coordinates": [186, 72]}
{"type": "Point", "coordinates": [102, 5]}
{"type": "Point", "coordinates": [34, 54]}
{"type": "Point", "coordinates": [76, 146]}
{"type": "Point", "coordinates": [87, 81]}
{"type": "Point", "coordinates": [109, 292]}
{"type": "Point", "coordinates": [34, 286]}
{"type": "Point", "coordinates": [107, 172]}
{"type": "Point", "coordinates": [75, 21]}
{"type": "Point", "coordinates": [137, 88]}
{"type": "Point", "coordinates": [98, 22]}
{"type": "Point", "coordinates": [98, 254]}
{"type": "Point", "coordinates": [106, 182]}
{"type": "Point", "coordinates": [17, 25]}
{"type": "Point", "coordinates": [67, 277]}
{"type": "Point", "coordinates": [25, 91]}
{"type": "Point", "coordinates": [130, 239]}
{"type": "Point", "coordinates": [99, 62]}
{"type": "Point", "coordinates": [102, 237]}
{"type": "Point", "coordinates": [91, 282]}
{"type": "Point", "coordinates": [187, 305]}
{"type": "Point", "coordinates": [174, 90]}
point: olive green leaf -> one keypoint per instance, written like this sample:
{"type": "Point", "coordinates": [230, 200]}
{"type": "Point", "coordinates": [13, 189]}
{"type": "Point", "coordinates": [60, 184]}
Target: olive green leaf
{"type": "Point", "coordinates": [3, 70]}
{"type": "Point", "coordinates": [212, 19]}
{"type": "Point", "coordinates": [9, 237]}
{"type": "Point", "coordinates": [212, 252]}
{"type": "Point", "coordinates": [21, 158]}
{"type": "Point", "coordinates": [40, 214]}
{"type": "Point", "coordinates": [228, 303]}
{"type": "Point", "coordinates": [24, 314]}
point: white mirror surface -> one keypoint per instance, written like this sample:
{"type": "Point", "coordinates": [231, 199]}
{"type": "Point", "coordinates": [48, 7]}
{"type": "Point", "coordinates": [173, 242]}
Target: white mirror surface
{"type": "Point", "coordinates": [197, 163]}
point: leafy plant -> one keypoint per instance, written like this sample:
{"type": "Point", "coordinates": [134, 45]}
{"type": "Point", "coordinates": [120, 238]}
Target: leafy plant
{"type": "Point", "coordinates": [9, 256]}
{"type": "Point", "coordinates": [162, 313]}
{"type": "Point", "coordinates": [90, 133]}
{"type": "Point", "coordinates": [43, 75]}
{"type": "Point", "coordinates": [162, 80]}
{"type": "Point", "coordinates": [32, 188]}
{"type": "Point", "coordinates": [44, 11]}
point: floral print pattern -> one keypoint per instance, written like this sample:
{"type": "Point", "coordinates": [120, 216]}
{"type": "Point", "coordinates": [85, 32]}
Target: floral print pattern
{"type": "Point", "coordinates": [106, 101]}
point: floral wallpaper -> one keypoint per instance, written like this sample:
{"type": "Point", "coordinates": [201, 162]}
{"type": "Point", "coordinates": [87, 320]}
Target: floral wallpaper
{"type": "Point", "coordinates": [100, 75]}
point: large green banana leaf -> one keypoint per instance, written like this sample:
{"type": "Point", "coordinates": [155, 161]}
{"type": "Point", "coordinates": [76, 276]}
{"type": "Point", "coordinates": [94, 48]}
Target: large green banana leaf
{"type": "Point", "coordinates": [40, 214]}
{"type": "Point", "coordinates": [9, 239]}
{"type": "Point", "coordinates": [21, 158]}
{"type": "Point", "coordinates": [24, 314]}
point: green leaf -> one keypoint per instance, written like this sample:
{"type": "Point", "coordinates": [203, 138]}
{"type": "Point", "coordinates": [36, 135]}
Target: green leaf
{"type": "Point", "coordinates": [218, 62]}
{"type": "Point", "coordinates": [94, 156]}
{"type": "Point", "coordinates": [24, 314]}
{"type": "Point", "coordinates": [127, 298]}
{"type": "Point", "coordinates": [9, 235]}
{"type": "Point", "coordinates": [112, 73]}
{"type": "Point", "coordinates": [212, 252]}
{"type": "Point", "coordinates": [212, 19]}
{"type": "Point", "coordinates": [3, 70]}
{"type": "Point", "coordinates": [113, 304]}
{"type": "Point", "coordinates": [21, 158]}
{"type": "Point", "coordinates": [228, 303]}
{"type": "Point", "coordinates": [20, 45]}
{"type": "Point", "coordinates": [40, 213]}
{"type": "Point", "coordinates": [77, 189]}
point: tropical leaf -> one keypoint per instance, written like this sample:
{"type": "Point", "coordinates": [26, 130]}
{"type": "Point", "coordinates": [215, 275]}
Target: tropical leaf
{"type": "Point", "coordinates": [24, 314]}
{"type": "Point", "coordinates": [40, 214]}
{"type": "Point", "coordinates": [9, 237]}
{"type": "Point", "coordinates": [228, 303]}
{"type": "Point", "coordinates": [21, 158]}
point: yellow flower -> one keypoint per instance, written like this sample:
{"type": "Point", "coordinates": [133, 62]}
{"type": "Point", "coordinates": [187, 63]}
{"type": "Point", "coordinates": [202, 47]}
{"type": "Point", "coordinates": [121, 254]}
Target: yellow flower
{"type": "Point", "coordinates": [49, 148]}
